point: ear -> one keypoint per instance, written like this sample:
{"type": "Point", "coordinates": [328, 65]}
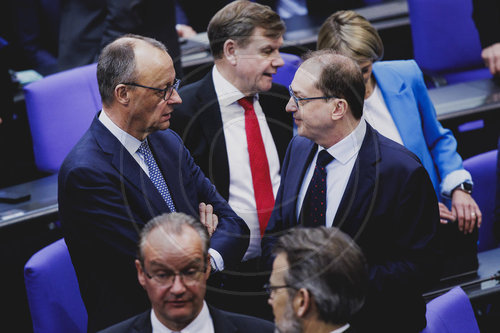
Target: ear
{"type": "Point", "coordinates": [339, 108]}
{"type": "Point", "coordinates": [209, 267]}
{"type": "Point", "coordinates": [302, 302]}
{"type": "Point", "coordinates": [230, 51]}
{"type": "Point", "coordinates": [140, 273]}
{"type": "Point", "coordinates": [121, 94]}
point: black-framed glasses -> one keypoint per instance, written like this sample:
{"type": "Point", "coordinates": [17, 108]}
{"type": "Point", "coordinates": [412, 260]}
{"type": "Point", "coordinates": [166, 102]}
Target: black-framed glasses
{"type": "Point", "coordinates": [270, 289]}
{"type": "Point", "coordinates": [298, 99]}
{"type": "Point", "coordinates": [189, 277]}
{"type": "Point", "coordinates": [167, 92]}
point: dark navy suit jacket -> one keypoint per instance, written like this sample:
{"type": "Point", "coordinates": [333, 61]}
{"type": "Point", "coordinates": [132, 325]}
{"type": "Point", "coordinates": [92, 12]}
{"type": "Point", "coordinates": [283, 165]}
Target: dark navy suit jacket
{"type": "Point", "coordinates": [104, 201]}
{"type": "Point", "coordinates": [390, 209]}
{"type": "Point", "coordinates": [224, 322]}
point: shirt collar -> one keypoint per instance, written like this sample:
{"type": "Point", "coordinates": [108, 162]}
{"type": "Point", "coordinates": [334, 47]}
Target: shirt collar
{"type": "Point", "coordinates": [227, 93]}
{"type": "Point", "coordinates": [349, 146]}
{"type": "Point", "coordinates": [199, 324]}
{"type": "Point", "coordinates": [341, 329]}
{"type": "Point", "coordinates": [128, 141]}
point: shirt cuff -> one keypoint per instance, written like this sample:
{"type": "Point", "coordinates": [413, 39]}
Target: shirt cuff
{"type": "Point", "coordinates": [216, 260]}
{"type": "Point", "coordinates": [452, 180]}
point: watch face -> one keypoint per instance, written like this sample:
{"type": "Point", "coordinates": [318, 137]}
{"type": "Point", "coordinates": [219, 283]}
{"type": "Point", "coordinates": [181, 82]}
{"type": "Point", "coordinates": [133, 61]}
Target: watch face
{"type": "Point", "coordinates": [467, 187]}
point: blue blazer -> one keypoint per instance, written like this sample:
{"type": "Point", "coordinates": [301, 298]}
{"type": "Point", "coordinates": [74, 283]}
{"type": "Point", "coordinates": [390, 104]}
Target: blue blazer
{"type": "Point", "coordinates": [411, 108]}
{"type": "Point", "coordinates": [105, 199]}
{"type": "Point", "coordinates": [389, 208]}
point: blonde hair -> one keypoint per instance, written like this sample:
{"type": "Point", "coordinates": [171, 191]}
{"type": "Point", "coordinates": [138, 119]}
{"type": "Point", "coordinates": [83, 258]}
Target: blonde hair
{"type": "Point", "coordinates": [351, 35]}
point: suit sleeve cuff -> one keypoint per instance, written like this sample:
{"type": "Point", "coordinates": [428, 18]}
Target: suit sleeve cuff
{"type": "Point", "coordinates": [216, 260]}
{"type": "Point", "coordinates": [454, 179]}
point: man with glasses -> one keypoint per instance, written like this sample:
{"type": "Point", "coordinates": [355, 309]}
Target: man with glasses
{"type": "Point", "coordinates": [173, 266]}
{"type": "Point", "coordinates": [232, 120]}
{"type": "Point", "coordinates": [318, 282]}
{"type": "Point", "coordinates": [340, 172]}
{"type": "Point", "coordinates": [128, 168]}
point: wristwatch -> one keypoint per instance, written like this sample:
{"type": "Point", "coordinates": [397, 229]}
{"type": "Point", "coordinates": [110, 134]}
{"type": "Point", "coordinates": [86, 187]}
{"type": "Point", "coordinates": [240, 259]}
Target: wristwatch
{"type": "Point", "coordinates": [465, 186]}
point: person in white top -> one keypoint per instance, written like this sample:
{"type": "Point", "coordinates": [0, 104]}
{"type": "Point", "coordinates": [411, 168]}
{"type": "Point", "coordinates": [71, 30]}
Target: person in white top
{"type": "Point", "coordinates": [173, 266]}
{"type": "Point", "coordinates": [318, 281]}
{"type": "Point", "coordinates": [398, 106]}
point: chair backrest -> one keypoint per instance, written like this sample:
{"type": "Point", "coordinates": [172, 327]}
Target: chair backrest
{"type": "Point", "coordinates": [286, 73]}
{"type": "Point", "coordinates": [483, 170]}
{"type": "Point", "coordinates": [60, 109]}
{"type": "Point", "coordinates": [451, 313]}
{"type": "Point", "coordinates": [54, 298]}
{"type": "Point", "coordinates": [445, 39]}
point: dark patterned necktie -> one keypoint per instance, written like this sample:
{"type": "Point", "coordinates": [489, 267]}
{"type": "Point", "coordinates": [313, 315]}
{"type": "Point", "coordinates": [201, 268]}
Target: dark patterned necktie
{"type": "Point", "coordinates": [314, 206]}
{"type": "Point", "coordinates": [155, 174]}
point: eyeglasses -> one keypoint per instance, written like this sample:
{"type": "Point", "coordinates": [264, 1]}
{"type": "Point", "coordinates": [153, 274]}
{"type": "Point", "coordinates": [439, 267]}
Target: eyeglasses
{"type": "Point", "coordinates": [167, 92]}
{"type": "Point", "coordinates": [298, 99]}
{"type": "Point", "coordinates": [166, 279]}
{"type": "Point", "coordinates": [270, 289]}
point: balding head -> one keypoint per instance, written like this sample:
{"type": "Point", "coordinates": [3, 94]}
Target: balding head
{"type": "Point", "coordinates": [338, 76]}
{"type": "Point", "coordinates": [117, 63]}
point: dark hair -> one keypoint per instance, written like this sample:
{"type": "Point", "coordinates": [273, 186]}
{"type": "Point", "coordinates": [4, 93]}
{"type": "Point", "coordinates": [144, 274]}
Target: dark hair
{"type": "Point", "coordinates": [341, 77]}
{"type": "Point", "coordinates": [330, 265]}
{"type": "Point", "coordinates": [116, 64]}
{"type": "Point", "coordinates": [173, 224]}
{"type": "Point", "coordinates": [238, 20]}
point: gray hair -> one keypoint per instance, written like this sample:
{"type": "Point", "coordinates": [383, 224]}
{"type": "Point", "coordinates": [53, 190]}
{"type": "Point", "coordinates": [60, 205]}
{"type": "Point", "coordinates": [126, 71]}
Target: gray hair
{"type": "Point", "coordinates": [173, 223]}
{"type": "Point", "coordinates": [116, 64]}
{"type": "Point", "coordinates": [330, 265]}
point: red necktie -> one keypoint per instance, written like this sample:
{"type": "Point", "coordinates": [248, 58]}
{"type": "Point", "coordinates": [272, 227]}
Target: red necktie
{"type": "Point", "coordinates": [263, 190]}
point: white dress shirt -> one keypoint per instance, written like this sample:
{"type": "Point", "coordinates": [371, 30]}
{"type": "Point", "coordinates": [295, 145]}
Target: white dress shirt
{"type": "Point", "coordinates": [341, 329]}
{"type": "Point", "coordinates": [376, 113]}
{"type": "Point", "coordinates": [338, 171]}
{"type": "Point", "coordinates": [241, 193]}
{"type": "Point", "coordinates": [202, 323]}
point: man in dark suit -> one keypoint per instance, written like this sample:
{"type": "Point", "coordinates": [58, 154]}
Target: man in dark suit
{"type": "Point", "coordinates": [318, 281]}
{"type": "Point", "coordinates": [173, 266]}
{"type": "Point", "coordinates": [127, 168]}
{"type": "Point", "coordinates": [240, 149]}
{"type": "Point", "coordinates": [340, 172]}
{"type": "Point", "coordinates": [89, 25]}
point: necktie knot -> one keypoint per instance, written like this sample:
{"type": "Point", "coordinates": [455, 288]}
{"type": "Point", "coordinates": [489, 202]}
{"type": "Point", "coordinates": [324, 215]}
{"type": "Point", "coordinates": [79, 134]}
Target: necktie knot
{"type": "Point", "coordinates": [324, 158]}
{"type": "Point", "coordinates": [144, 148]}
{"type": "Point", "coordinates": [246, 103]}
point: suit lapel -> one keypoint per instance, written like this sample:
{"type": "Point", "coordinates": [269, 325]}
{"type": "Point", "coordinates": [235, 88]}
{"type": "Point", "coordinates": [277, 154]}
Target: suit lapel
{"type": "Point", "coordinates": [127, 166]}
{"type": "Point", "coordinates": [167, 157]}
{"type": "Point", "coordinates": [213, 131]}
{"type": "Point", "coordinates": [221, 323]}
{"type": "Point", "coordinates": [279, 121]}
{"type": "Point", "coordinates": [399, 99]}
{"type": "Point", "coordinates": [296, 174]}
{"type": "Point", "coordinates": [142, 324]}
{"type": "Point", "coordinates": [358, 199]}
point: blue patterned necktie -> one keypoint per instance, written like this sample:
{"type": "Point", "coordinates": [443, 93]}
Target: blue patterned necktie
{"type": "Point", "coordinates": [155, 174]}
{"type": "Point", "coordinates": [313, 212]}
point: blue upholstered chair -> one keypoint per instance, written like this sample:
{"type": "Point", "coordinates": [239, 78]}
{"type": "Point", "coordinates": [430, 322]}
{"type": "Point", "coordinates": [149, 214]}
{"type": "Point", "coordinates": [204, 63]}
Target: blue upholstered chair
{"type": "Point", "coordinates": [286, 73]}
{"type": "Point", "coordinates": [451, 313]}
{"type": "Point", "coordinates": [53, 294]}
{"type": "Point", "coordinates": [445, 41]}
{"type": "Point", "coordinates": [483, 170]}
{"type": "Point", "coordinates": [60, 108]}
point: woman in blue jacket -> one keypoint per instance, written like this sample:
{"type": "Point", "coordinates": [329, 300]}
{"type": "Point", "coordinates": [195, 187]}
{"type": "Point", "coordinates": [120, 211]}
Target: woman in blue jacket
{"type": "Point", "coordinates": [398, 106]}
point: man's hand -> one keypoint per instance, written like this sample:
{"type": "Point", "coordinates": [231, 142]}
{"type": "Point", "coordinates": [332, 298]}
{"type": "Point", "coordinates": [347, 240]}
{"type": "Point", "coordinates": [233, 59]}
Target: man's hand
{"type": "Point", "coordinates": [185, 31]}
{"type": "Point", "coordinates": [445, 214]}
{"type": "Point", "coordinates": [491, 58]}
{"type": "Point", "coordinates": [208, 218]}
{"type": "Point", "coordinates": [466, 211]}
